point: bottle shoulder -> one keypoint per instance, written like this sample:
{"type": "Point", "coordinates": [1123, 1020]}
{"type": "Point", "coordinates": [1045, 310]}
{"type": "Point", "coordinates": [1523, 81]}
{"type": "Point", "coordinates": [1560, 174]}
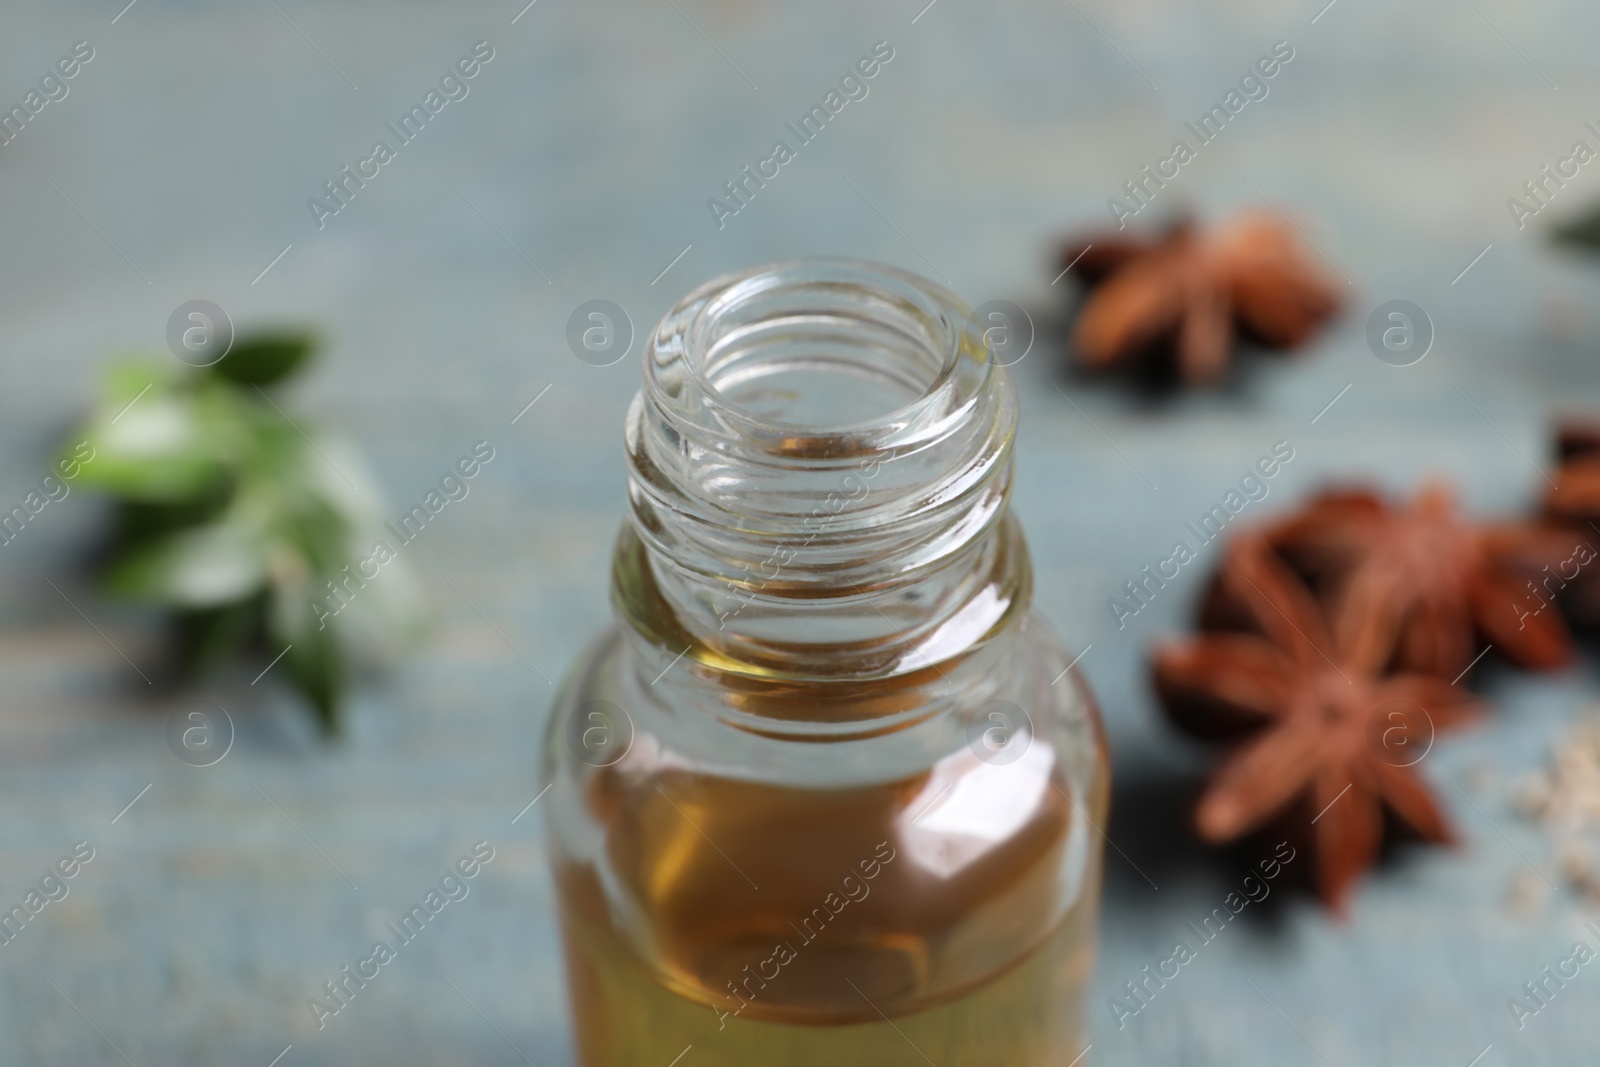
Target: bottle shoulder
{"type": "Point", "coordinates": [827, 731]}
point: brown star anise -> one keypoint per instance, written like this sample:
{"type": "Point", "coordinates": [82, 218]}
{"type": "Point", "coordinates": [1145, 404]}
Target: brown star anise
{"type": "Point", "coordinates": [1433, 580]}
{"type": "Point", "coordinates": [1192, 291]}
{"type": "Point", "coordinates": [1321, 727]}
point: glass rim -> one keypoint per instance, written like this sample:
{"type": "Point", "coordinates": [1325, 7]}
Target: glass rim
{"type": "Point", "coordinates": [949, 337]}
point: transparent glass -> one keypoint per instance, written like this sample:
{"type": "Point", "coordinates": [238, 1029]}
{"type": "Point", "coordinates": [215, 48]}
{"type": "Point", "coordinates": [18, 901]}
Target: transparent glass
{"type": "Point", "coordinates": [827, 792]}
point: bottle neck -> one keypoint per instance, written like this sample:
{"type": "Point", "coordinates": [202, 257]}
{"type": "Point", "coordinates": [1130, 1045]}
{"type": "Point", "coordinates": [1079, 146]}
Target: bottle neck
{"type": "Point", "coordinates": [819, 469]}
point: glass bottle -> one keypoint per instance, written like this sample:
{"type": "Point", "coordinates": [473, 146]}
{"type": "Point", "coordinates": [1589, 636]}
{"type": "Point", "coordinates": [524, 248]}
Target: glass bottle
{"type": "Point", "coordinates": [827, 793]}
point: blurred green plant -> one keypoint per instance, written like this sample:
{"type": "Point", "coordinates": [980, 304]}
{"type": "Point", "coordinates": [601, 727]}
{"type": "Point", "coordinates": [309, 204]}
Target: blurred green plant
{"type": "Point", "coordinates": [236, 517]}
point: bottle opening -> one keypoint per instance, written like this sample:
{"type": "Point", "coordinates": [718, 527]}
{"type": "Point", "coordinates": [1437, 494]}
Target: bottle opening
{"type": "Point", "coordinates": [791, 348]}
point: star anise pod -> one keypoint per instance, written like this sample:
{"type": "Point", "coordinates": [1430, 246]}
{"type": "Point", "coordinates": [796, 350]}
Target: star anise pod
{"type": "Point", "coordinates": [1193, 291]}
{"type": "Point", "coordinates": [1322, 729]}
{"type": "Point", "coordinates": [1436, 584]}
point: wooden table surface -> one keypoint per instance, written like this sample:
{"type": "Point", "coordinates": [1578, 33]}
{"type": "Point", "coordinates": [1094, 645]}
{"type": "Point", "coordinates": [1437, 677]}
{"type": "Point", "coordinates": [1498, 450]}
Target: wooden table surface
{"type": "Point", "coordinates": [577, 167]}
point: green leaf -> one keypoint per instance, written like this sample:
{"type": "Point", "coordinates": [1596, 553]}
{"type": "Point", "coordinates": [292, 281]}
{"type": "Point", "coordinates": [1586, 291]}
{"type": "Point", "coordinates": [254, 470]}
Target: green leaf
{"type": "Point", "coordinates": [141, 521]}
{"type": "Point", "coordinates": [277, 451]}
{"type": "Point", "coordinates": [314, 659]}
{"type": "Point", "coordinates": [316, 656]}
{"type": "Point", "coordinates": [158, 446]}
{"type": "Point", "coordinates": [209, 635]}
{"type": "Point", "coordinates": [203, 567]}
{"type": "Point", "coordinates": [265, 358]}
{"type": "Point", "coordinates": [320, 674]}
